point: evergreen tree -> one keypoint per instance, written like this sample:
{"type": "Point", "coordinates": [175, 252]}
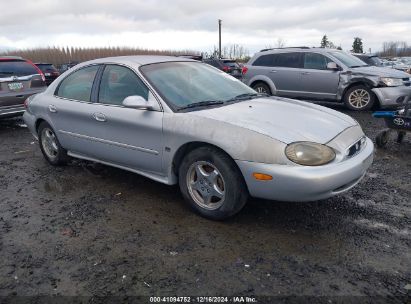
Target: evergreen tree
{"type": "Point", "coordinates": [324, 42]}
{"type": "Point", "coordinates": [357, 46]}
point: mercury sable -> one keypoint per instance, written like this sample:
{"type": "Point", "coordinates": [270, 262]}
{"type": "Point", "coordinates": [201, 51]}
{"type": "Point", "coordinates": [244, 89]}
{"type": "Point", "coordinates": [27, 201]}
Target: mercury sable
{"type": "Point", "coordinates": [176, 120]}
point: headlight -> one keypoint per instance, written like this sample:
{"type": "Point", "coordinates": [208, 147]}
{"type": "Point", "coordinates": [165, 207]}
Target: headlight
{"type": "Point", "coordinates": [392, 82]}
{"type": "Point", "coordinates": [309, 153]}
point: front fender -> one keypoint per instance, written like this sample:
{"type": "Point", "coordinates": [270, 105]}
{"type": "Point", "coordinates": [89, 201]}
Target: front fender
{"type": "Point", "coordinates": [239, 143]}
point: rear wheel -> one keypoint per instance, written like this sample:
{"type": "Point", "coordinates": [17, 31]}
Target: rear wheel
{"type": "Point", "coordinates": [400, 137]}
{"type": "Point", "coordinates": [262, 88]}
{"type": "Point", "coordinates": [359, 98]}
{"type": "Point", "coordinates": [52, 151]}
{"type": "Point", "coordinates": [382, 138]}
{"type": "Point", "coordinates": [212, 184]}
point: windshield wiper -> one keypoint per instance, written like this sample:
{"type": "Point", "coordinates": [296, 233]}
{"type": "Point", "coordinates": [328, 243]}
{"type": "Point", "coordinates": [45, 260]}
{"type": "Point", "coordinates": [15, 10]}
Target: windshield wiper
{"type": "Point", "coordinates": [359, 66]}
{"type": "Point", "coordinates": [247, 96]}
{"type": "Point", "coordinates": [203, 103]}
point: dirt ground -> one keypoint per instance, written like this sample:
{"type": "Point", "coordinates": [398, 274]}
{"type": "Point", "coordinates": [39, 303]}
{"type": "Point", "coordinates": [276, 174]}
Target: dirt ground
{"type": "Point", "coordinates": [91, 230]}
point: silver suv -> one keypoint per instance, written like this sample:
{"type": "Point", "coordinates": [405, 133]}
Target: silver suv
{"type": "Point", "coordinates": [325, 74]}
{"type": "Point", "coordinates": [19, 79]}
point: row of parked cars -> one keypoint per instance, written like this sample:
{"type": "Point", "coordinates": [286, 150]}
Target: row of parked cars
{"type": "Point", "coordinates": [360, 82]}
{"type": "Point", "coordinates": [402, 64]}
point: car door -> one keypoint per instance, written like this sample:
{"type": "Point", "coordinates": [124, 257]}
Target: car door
{"type": "Point", "coordinates": [319, 82]}
{"type": "Point", "coordinates": [126, 136]}
{"type": "Point", "coordinates": [284, 69]}
{"type": "Point", "coordinates": [70, 107]}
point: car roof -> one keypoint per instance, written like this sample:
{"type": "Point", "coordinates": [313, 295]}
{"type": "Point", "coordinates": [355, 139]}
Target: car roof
{"type": "Point", "coordinates": [11, 57]}
{"type": "Point", "coordinates": [137, 59]}
{"type": "Point", "coordinates": [297, 49]}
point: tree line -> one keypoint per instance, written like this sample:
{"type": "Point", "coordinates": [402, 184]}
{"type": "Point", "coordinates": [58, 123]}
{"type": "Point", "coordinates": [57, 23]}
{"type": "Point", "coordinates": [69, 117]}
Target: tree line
{"type": "Point", "coordinates": [58, 56]}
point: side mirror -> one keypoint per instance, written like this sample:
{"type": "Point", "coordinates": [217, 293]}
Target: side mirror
{"type": "Point", "coordinates": [332, 66]}
{"type": "Point", "coordinates": [137, 102]}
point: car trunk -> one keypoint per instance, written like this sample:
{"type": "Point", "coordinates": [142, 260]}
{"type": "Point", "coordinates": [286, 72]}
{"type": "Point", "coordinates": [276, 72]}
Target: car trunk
{"type": "Point", "coordinates": [18, 80]}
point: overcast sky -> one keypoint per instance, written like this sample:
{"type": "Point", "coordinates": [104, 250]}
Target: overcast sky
{"type": "Point", "coordinates": [179, 24]}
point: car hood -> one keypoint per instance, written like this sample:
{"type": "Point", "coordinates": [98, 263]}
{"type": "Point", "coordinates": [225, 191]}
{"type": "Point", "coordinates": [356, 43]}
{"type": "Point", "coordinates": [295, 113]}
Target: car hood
{"type": "Point", "coordinates": [286, 120]}
{"type": "Point", "coordinates": [380, 71]}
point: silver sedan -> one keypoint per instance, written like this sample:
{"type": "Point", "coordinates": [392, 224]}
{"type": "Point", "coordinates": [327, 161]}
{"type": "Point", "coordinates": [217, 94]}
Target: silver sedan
{"type": "Point", "coordinates": [176, 120]}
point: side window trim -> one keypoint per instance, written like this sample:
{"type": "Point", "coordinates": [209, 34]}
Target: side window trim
{"type": "Point", "coordinates": [95, 90]}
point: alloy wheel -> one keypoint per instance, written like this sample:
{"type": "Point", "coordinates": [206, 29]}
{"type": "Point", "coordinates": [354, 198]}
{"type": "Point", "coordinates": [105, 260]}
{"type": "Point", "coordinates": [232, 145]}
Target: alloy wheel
{"type": "Point", "coordinates": [206, 185]}
{"type": "Point", "coordinates": [49, 143]}
{"type": "Point", "coordinates": [359, 98]}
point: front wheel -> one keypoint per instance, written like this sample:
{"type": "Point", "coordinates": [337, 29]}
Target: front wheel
{"type": "Point", "coordinates": [212, 184]}
{"type": "Point", "coordinates": [52, 151]}
{"type": "Point", "coordinates": [359, 98]}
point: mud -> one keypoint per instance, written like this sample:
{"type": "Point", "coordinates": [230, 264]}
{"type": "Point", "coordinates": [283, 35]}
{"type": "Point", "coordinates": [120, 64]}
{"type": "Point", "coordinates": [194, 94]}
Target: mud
{"type": "Point", "coordinates": [91, 230]}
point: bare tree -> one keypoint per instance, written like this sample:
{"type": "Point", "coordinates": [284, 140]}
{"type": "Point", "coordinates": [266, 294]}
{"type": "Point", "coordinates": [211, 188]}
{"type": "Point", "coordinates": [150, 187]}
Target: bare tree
{"type": "Point", "coordinates": [281, 42]}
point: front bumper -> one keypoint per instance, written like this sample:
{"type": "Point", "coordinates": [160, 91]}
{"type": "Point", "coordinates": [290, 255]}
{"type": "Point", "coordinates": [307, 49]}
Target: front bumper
{"type": "Point", "coordinates": [302, 183]}
{"type": "Point", "coordinates": [392, 96]}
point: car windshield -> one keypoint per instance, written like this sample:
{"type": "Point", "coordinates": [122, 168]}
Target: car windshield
{"type": "Point", "coordinates": [182, 84]}
{"type": "Point", "coordinates": [231, 64]}
{"type": "Point", "coordinates": [376, 61]}
{"type": "Point", "coordinates": [47, 67]}
{"type": "Point", "coordinates": [16, 68]}
{"type": "Point", "coordinates": [348, 59]}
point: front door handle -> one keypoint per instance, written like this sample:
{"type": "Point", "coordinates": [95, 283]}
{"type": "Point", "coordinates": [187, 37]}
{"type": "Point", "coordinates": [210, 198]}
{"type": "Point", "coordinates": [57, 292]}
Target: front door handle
{"type": "Point", "coordinates": [99, 117]}
{"type": "Point", "coordinates": [52, 109]}
{"type": "Point", "coordinates": [305, 73]}
{"type": "Point", "coordinates": [273, 71]}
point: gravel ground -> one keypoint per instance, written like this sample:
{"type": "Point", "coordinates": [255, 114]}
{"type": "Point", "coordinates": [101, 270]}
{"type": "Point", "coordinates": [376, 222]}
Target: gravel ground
{"type": "Point", "coordinates": [92, 230]}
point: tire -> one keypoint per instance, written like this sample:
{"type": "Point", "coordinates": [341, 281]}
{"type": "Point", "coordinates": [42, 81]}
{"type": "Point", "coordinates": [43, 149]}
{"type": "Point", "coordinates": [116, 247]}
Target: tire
{"type": "Point", "coordinates": [261, 87]}
{"type": "Point", "coordinates": [52, 151]}
{"type": "Point", "coordinates": [382, 139]}
{"type": "Point", "coordinates": [219, 176]}
{"type": "Point", "coordinates": [400, 136]}
{"type": "Point", "coordinates": [359, 98]}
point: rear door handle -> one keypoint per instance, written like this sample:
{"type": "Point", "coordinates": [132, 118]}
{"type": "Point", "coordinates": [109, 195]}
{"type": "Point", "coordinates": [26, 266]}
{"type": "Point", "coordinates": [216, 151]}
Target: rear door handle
{"type": "Point", "coordinates": [273, 71]}
{"type": "Point", "coordinates": [52, 109]}
{"type": "Point", "coordinates": [305, 73]}
{"type": "Point", "coordinates": [99, 117]}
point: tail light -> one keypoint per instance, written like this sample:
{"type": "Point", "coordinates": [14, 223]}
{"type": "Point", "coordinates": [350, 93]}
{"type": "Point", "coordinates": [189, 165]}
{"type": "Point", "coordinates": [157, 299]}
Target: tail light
{"type": "Point", "coordinates": [226, 68]}
{"type": "Point", "coordinates": [38, 70]}
{"type": "Point", "coordinates": [26, 103]}
{"type": "Point", "coordinates": [244, 70]}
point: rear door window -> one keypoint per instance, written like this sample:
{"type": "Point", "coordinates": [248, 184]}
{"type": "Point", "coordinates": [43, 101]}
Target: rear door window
{"type": "Point", "coordinates": [315, 61]}
{"type": "Point", "coordinates": [16, 68]}
{"type": "Point", "coordinates": [288, 60]}
{"type": "Point", "coordinates": [78, 85]}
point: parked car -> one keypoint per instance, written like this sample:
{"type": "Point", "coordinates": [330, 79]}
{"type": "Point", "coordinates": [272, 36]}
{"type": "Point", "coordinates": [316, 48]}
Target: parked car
{"type": "Point", "coordinates": [195, 57]}
{"type": "Point", "coordinates": [325, 74]}
{"type": "Point", "coordinates": [177, 120]}
{"type": "Point", "coordinates": [67, 66]}
{"type": "Point", "coordinates": [370, 59]}
{"type": "Point", "coordinates": [229, 66]}
{"type": "Point", "coordinates": [49, 70]}
{"type": "Point", "coordinates": [19, 79]}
